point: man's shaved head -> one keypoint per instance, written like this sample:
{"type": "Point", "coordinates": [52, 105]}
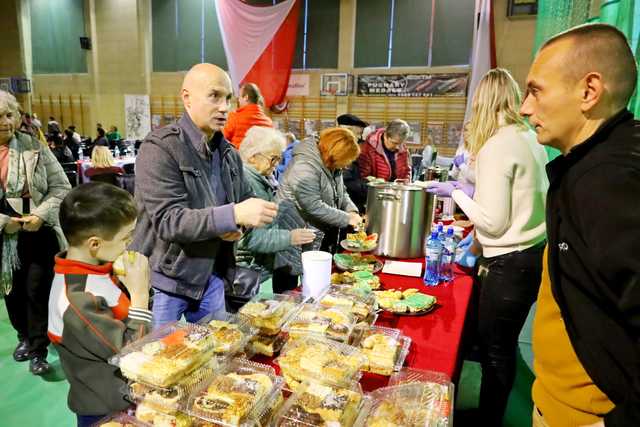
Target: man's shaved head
{"type": "Point", "coordinates": [206, 93]}
{"type": "Point", "coordinates": [602, 49]}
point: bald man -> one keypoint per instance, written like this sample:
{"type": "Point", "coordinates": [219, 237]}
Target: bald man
{"type": "Point", "coordinates": [193, 201]}
{"type": "Point", "coordinates": [587, 328]}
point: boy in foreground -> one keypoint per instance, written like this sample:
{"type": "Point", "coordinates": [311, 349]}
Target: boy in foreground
{"type": "Point", "coordinates": [92, 314]}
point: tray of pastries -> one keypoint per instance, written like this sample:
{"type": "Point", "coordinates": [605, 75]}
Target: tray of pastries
{"type": "Point", "coordinates": [384, 348]}
{"type": "Point", "coordinates": [174, 399]}
{"type": "Point", "coordinates": [408, 405]}
{"type": "Point", "coordinates": [336, 323]}
{"type": "Point", "coordinates": [362, 306]}
{"type": "Point", "coordinates": [267, 345]}
{"type": "Point", "coordinates": [269, 311]}
{"type": "Point", "coordinates": [357, 278]}
{"type": "Point", "coordinates": [151, 416]}
{"type": "Point", "coordinates": [360, 242]}
{"type": "Point", "coordinates": [120, 420]}
{"type": "Point", "coordinates": [167, 354]}
{"type": "Point", "coordinates": [320, 405]}
{"type": "Point", "coordinates": [231, 333]}
{"type": "Point", "coordinates": [410, 302]}
{"type": "Point", "coordinates": [237, 396]}
{"type": "Point", "coordinates": [357, 262]}
{"type": "Point", "coordinates": [319, 360]}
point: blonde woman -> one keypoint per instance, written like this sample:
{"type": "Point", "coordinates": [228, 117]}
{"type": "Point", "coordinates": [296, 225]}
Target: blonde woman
{"type": "Point", "coordinates": [508, 211]}
{"type": "Point", "coordinates": [103, 167]}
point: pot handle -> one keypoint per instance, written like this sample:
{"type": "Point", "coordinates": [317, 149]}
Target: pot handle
{"type": "Point", "coordinates": [386, 195]}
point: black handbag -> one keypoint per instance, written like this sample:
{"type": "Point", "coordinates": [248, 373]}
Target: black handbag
{"type": "Point", "coordinates": [244, 286]}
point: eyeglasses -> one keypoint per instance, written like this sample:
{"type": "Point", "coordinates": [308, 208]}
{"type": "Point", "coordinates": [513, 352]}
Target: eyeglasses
{"type": "Point", "coordinates": [273, 160]}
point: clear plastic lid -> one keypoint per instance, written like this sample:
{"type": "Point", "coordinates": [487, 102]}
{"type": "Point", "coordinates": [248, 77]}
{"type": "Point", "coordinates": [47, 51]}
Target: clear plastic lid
{"type": "Point", "coordinates": [175, 398]}
{"type": "Point", "coordinates": [268, 311]}
{"type": "Point", "coordinates": [237, 396]}
{"type": "Point", "coordinates": [120, 420]}
{"type": "Point", "coordinates": [412, 375]}
{"type": "Point", "coordinates": [166, 355]}
{"type": "Point", "coordinates": [231, 333]}
{"type": "Point", "coordinates": [320, 360]}
{"type": "Point", "coordinates": [267, 345]}
{"type": "Point", "coordinates": [336, 323]}
{"type": "Point", "coordinates": [363, 306]}
{"type": "Point", "coordinates": [415, 404]}
{"type": "Point", "coordinates": [151, 416]}
{"type": "Point", "coordinates": [320, 405]}
{"type": "Point", "coordinates": [385, 349]}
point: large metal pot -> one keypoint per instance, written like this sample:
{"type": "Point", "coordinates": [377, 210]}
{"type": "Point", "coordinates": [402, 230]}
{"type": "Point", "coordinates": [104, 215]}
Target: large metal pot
{"type": "Point", "coordinates": [401, 214]}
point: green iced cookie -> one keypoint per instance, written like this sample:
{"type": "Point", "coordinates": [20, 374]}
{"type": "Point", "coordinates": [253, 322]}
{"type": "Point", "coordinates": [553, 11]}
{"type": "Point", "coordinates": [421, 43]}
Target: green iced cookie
{"type": "Point", "coordinates": [419, 301]}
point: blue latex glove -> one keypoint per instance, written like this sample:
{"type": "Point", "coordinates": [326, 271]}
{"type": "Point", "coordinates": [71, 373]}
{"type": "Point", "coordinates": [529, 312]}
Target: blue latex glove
{"type": "Point", "coordinates": [458, 160]}
{"type": "Point", "coordinates": [463, 255]}
{"type": "Point", "coordinates": [466, 188]}
{"type": "Point", "coordinates": [442, 189]}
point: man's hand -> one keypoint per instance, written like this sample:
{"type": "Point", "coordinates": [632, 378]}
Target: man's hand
{"type": "Point", "coordinates": [255, 212]}
{"type": "Point", "coordinates": [13, 226]}
{"type": "Point", "coordinates": [232, 236]}
{"type": "Point", "coordinates": [31, 222]}
{"type": "Point", "coordinates": [302, 236]}
{"type": "Point", "coordinates": [137, 278]}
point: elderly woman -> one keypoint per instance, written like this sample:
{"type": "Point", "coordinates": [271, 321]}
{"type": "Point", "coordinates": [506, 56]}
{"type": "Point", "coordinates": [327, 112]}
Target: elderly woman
{"type": "Point", "coordinates": [314, 183]}
{"type": "Point", "coordinates": [33, 185]}
{"type": "Point", "coordinates": [384, 153]}
{"type": "Point", "coordinates": [261, 152]}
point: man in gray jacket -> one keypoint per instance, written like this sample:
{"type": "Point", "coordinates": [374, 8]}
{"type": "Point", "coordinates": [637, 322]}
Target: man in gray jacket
{"type": "Point", "coordinates": [192, 200]}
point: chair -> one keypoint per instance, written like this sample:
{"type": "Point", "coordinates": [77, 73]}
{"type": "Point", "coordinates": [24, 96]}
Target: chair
{"type": "Point", "coordinates": [71, 170]}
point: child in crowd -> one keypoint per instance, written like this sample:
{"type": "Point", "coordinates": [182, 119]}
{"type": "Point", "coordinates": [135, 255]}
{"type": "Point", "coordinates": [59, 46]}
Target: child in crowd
{"type": "Point", "coordinates": [91, 314]}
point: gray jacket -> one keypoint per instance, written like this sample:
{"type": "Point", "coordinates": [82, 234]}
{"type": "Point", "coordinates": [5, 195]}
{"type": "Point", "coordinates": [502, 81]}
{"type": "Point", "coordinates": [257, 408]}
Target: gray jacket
{"type": "Point", "coordinates": [318, 194]}
{"type": "Point", "coordinates": [259, 245]}
{"type": "Point", "coordinates": [180, 214]}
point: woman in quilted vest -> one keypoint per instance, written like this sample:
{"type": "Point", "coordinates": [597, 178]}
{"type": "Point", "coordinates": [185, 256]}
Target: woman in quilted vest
{"type": "Point", "coordinates": [33, 185]}
{"type": "Point", "coordinates": [385, 155]}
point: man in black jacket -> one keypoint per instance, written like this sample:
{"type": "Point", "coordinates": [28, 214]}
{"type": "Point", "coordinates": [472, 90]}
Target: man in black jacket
{"type": "Point", "coordinates": [577, 91]}
{"type": "Point", "coordinates": [356, 186]}
{"type": "Point", "coordinates": [192, 201]}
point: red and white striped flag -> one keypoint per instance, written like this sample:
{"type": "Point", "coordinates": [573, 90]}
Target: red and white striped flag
{"type": "Point", "coordinates": [259, 43]}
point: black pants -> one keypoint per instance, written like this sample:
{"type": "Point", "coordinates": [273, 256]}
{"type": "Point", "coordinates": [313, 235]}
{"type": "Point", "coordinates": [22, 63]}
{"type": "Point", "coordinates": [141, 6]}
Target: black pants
{"type": "Point", "coordinates": [27, 303]}
{"type": "Point", "coordinates": [507, 292]}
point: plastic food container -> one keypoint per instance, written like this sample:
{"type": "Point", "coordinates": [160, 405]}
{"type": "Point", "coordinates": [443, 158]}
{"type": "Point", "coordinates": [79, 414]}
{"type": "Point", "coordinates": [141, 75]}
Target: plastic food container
{"type": "Point", "coordinates": [415, 404]}
{"type": "Point", "coordinates": [166, 355]}
{"type": "Point", "coordinates": [267, 345]}
{"type": "Point", "coordinates": [321, 361]}
{"type": "Point", "coordinates": [336, 323]}
{"type": "Point", "coordinates": [320, 405]}
{"type": "Point", "coordinates": [363, 306]}
{"type": "Point", "coordinates": [231, 333]}
{"type": "Point", "coordinates": [238, 395]}
{"type": "Point", "coordinates": [385, 349]}
{"type": "Point", "coordinates": [174, 399]}
{"type": "Point", "coordinates": [120, 420]}
{"type": "Point", "coordinates": [268, 311]}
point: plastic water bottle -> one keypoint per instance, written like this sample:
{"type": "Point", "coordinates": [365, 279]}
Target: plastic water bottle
{"type": "Point", "coordinates": [116, 153]}
{"type": "Point", "coordinates": [80, 154]}
{"type": "Point", "coordinates": [433, 250]}
{"type": "Point", "coordinates": [441, 233]}
{"type": "Point", "coordinates": [447, 257]}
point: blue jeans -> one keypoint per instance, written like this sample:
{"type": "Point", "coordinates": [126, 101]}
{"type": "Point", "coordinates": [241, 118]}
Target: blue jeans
{"type": "Point", "coordinates": [168, 307]}
{"type": "Point", "coordinates": [88, 420]}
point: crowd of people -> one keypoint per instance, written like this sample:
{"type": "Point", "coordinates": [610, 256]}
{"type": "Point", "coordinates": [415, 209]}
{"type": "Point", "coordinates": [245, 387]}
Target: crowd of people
{"type": "Point", "coordinates": [215, 196]}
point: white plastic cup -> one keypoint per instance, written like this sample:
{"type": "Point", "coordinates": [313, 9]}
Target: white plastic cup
{"type": "Point", "coordinates": [316, 272]}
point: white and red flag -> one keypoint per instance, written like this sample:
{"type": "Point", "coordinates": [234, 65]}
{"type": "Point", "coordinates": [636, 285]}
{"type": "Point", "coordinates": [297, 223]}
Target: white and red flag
{"type": "Point", "coordinates": [259, 42]}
